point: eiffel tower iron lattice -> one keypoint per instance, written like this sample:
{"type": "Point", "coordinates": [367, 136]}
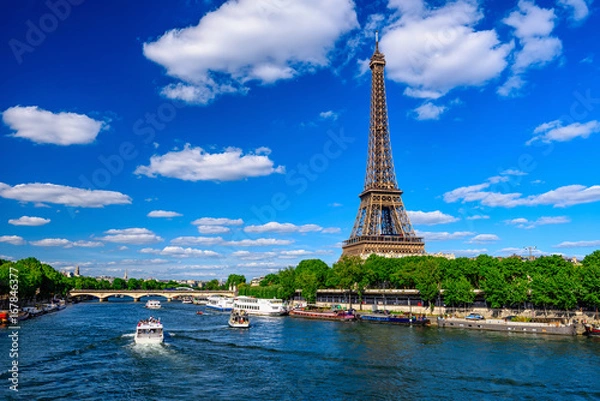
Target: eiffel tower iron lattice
{"type": "Point", "coordinates": [382, 225]}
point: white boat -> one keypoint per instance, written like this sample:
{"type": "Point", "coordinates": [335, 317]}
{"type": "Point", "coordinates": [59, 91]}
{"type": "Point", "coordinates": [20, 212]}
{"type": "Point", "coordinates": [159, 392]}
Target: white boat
{"type": "Point", "coordinates": [153, 304]}
{"type": "Point", "coordinates": [220, 303]}
{"type": "Point", "coordinates": [259, 306]}
{"type": "Point", "coordinates": [149, 331]}
{"type": "Point", "coordinates": [186, 301]}
{"type": "Point", "coordinates": [239, 319]}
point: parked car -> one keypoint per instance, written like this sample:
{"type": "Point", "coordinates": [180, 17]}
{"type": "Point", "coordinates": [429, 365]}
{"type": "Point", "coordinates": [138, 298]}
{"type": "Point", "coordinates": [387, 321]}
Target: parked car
{"type": "Point", "coordinates": [475, 316]}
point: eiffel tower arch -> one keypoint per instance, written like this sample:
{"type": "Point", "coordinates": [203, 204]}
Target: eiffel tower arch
{"type": "Point", "coordinates": [382, 225]}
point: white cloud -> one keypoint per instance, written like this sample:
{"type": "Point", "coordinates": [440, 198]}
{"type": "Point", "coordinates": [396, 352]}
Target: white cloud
{"type": "Point", "coordinates": [331, 230]}
{"type": "Point", "coordinates": [217, 221]}
{"type": "Point", "coordinates": [430, 218]}
{"type": "Point", "coordinates": [180, 252]}
{"type": "Point", "coordinates": [132, 236]}
{"type": "Point", "coordinates": [561, 197]}
{"type": "Point", "coordinates": [258, 242]}
{"type": "Point", "coordinates": [213, 229]}
{"type": "Point", "coordinates": [478, 217]}
{"type": "Point", "coordinates": [197, 241]}
{"type": "Point", "coordinates": [434, 50]}
{"type": "Point", "coordinates": [41, 126]}
{"type": "Point", "coordinates": [443, 236]}
{"type": "Point", "coordinates": [467, 252]}
{"type": "Point", "coordinates": [578, 244]}
{"type": "Point", "coordinates": [12, 239]}
{"type": "Point", "coordinates": [328, 115]}
{"type": "Point", "coordinates": [195, 164]}
{"type": "Point", "coordinates": [248, 40]}
{"type": "Point", "coordinates": [29, 221]}
{"type": "Point", "coordinates": [483, 238]}
{"type": "Point", "coordinates": [63, 195]}
{"type": "Point", "coordinates": [163, 213]}
{"type": "Point", "coordinates": [579, 8]}
{"type": "Point", "coordinates": [554, 131]}
{"type": "Point", "coordinates": [522, 222]}
{"type": "Point", "coordinates": [429, 111]}
{"type": "Point", "coordinates": [247, 255]}
{"type": "Point", "coordinates": [299, 253]}
{"type": "Point", "coordinates": [532, 28]}
{"type": "Point", "coordinates": [65, 243]}
{"type": "Point", "coordinates": [283, 228]}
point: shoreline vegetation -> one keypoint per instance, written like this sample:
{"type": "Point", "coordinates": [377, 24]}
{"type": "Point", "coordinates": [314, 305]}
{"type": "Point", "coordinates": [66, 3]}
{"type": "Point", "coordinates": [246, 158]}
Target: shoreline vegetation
{"type": "Point", "coordinates": [545, 283]}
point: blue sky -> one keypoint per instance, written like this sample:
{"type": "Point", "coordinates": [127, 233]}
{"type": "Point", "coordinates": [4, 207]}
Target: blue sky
{"type": "Point", "coordinates": [199, 139]}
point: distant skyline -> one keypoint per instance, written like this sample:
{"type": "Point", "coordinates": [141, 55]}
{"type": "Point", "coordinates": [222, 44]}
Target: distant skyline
{"type": "Point", "coordinates": [202, 139]}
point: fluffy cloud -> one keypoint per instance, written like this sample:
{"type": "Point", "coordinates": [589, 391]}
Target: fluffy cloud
{"type": "Point", "coordinates": [578, 244]}
{"type": "Point", "coordinates": [12, 239]}
{"type": "Point", "coordinates": [275, 227]}
{"type": "Point", "coordinates": [578, 7]}
{"type": "Point", "coordinates": [532, 28]}
{"type": "Point", "coordinates": [180, 252]}
{"type": "Point", "coordinates": [213, 229]}
{"type": "Point", "coordinates": [132, 236]}
{"type": "Point", "coordinates": [434, 50]}
{"type": "Point", "coordinates": [430, 218]}
{"type": "Point", "coordinates": [41, 126]}
{"type": "Point", "coordinates": [28, 221]}
{"type": "Point", "coordinates": [554, 131]}
{"type": "Point", "coordinates": [478, 217]}
{"type": "Point", "coordinates": [247, 255]}
{"type": "Point", "coordinates": [328, 115]}
{"type": "Point", "coordinates": [217, 221]}
{"type": "Point", "coordinates": [197, 240]}
{"type": "Point", "coordinates": [248, 40]}
{"type": "Point", "coordinates": [258, 242]}
{"type": "Point", "coordinates": [195, 164]}
{"type": "Point", "coordinates": [443, 236]}
{"type": "Point", "coordinates": [299, 253]}
{"type": "Point", "coordinates": [568, 195]}
{"type": "Point", "coordinates": [429, 111]}
{"type": "Point", "coordinates": [522, 222]}
{"type": "Point", "coordinates": [62, 195]}
{"type": "Point", "coordinates": [65, 243]}
{"type": "Point", "coordinates": [483, 238]}
{"type": "Point", "coordinates": [163, 213]}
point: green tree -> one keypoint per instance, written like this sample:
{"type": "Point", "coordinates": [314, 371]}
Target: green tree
{"type": "Point", "coordinates": [119, 284]}
{"type": "Point", "coordinates": [212, 285]}
{"type": "Point", "coordinates": [234, 279]}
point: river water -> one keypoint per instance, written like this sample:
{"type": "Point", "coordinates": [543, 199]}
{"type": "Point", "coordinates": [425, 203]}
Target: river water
{"type": "Point", "coordinates": [87, 352]}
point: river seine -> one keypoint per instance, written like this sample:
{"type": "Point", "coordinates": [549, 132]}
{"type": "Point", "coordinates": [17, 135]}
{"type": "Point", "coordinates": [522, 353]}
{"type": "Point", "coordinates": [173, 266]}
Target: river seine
{"type": "Point", "coordinates": [87, 352]}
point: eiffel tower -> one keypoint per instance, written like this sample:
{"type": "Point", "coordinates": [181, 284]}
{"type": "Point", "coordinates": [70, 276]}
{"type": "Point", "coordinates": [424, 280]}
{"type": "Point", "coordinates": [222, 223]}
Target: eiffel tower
{"type": "Point", "coordinates": [382, 225]}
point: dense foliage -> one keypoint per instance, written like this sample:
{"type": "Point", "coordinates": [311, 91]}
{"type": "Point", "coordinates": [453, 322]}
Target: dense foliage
{"type": "Point", "coordinates": [548, 281]}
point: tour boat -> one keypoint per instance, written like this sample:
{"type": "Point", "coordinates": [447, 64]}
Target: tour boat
{"type": "Point", "coordinates": [153, 304]}
{"type": "Point", "coordinates": [380, 316]}
{"type": "Point", "coordinates": [33, 311]}
{"type": "Point", "coordinates": [186, 301]}
{"type": "Point", "coordinates": [323, 314]}
{"type": "Point", "coordinates": [220, 303]}
{"type": "Point", "coordinates": [239, 319]}
{"type": "Point", "coordinates": [258, 306]}
{"type": "Point", "coordinates": [592, 330]}
{"type": "Point", "coordinates": [149, 331]}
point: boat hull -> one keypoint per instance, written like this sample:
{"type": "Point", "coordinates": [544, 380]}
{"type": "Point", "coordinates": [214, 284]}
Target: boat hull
{"type": "Point", "coordinates": [592, 331]}
{"type": "Point", "coordinates": [389, 319]}
{"type": "Point", "coordinates": [511, 327]}
{"type": "Point", "coordinates": [336, 316]}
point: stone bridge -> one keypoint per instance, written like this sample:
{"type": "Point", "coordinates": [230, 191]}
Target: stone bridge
{"type": "Point", "coordinates": [103, 295]}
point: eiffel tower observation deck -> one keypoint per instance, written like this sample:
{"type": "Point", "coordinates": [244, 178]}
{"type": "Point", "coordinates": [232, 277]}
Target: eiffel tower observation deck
{"type": "Point", "coordinates": [382, 225]}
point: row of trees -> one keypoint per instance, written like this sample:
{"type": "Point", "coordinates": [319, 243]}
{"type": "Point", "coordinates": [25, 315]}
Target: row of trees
{"type": "Point", "coordinates": [548, 281]}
